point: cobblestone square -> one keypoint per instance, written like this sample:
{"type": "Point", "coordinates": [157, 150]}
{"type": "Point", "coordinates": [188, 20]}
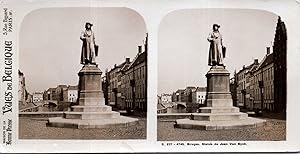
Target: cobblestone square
{"type": "Point", "coordinates": [273, 130]}
{"type": "Point", "coordinates": [36, 129]}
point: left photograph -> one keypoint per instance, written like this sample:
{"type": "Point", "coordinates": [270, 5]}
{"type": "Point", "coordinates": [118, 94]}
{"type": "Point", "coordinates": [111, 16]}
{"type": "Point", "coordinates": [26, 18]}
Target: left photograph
{"type": "Point", "coordinates": [83, 74]}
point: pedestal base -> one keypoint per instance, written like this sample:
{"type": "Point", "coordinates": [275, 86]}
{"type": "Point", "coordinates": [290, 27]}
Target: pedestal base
{"type": "Point", "coordinates": [91, 111]}
{"type": "Point", "coordinates": [220, 113]}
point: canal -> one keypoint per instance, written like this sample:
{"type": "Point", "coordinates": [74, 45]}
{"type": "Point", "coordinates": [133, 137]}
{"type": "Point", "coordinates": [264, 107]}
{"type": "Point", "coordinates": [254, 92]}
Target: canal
{"type": "Point", "coordinates": [175, 110]}
{"type": "Point", "coordinates": [47, 108]}
{"type": "Point", "coordinates": [180, 109]}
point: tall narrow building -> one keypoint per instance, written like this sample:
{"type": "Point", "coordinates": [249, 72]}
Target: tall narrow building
{"type": "Point", "coordinates": [280, 74]}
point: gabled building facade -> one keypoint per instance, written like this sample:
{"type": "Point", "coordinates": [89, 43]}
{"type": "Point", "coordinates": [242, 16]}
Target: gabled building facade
{"type": "Point", "coordinates": [178, 96]}
{"type": "Point", "coordinates": [127, 82]}
{"type": "Point", "coordinates": [243, 84]}
{"type": "Point", "coordinates": [114, 77]}
{"type": "Point", "coordinates": [188, 93]}
{"type": "Point", "coordinates": [263, 85]}
{"type": "Point", "coordinates": [135, 83]}
{"type": "Point", "coordinates": [199, 95]}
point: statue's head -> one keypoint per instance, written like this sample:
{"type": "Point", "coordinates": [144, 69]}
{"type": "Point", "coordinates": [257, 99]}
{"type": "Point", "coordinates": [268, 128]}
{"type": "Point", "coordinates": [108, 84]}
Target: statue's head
{"type": "Point", "coordinates": [88, 25]}
{"type": "Point", "coordinates": [216, 26]}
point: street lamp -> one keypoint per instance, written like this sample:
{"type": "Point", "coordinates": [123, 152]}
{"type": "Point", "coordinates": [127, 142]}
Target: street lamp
{"type": "Point", "coordinates": [177, 97]}
{"type": "Point", "coordinates": [48, 95]}
{"type": "Point", "coordinates": [244, 97]}
{"type": "Point", "coordinates": [115, 91]}
{"type": "Point", "coordinates": [132, 84]}
{"type": "Point", "coordinates": [261, 86]}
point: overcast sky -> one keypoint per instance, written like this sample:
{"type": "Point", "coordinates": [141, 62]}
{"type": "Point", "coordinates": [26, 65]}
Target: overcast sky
{"type": "Point", "coordinates": [183, 45]}
{"type": "Point", "coordinates": [50, 46]}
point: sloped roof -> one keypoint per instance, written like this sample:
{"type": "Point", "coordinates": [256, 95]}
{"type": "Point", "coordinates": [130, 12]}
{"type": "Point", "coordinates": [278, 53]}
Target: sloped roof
{"type": "Point", "coordinates": [118, 66]}
{"type": "Point", "coordinates": [125, 67]}
{"type": "Point", "coordinates": [201, 89]}
{"type": "Point", "coordinates": [250, 68]}
{"type": "Point", "coordinates": [140, 58]}
{"type": "Point", "coordinates": [253, 68]}
{"type": "Point", "coordinates": [62, 86]}
{"type": "Point", "coordinates": [268, 59]}
{"type": "Point", "coordinates": [73, 88]}
{"type": "Point", "coordinates": [180, 90]}
{"type": "Point", "coordinates": [190, 87]}
{"type": "Point", "coordinates": [245, 68]}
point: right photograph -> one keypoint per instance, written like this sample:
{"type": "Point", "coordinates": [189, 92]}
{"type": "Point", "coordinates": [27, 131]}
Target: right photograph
{"type": "Point", "coordinates": [222, 76]}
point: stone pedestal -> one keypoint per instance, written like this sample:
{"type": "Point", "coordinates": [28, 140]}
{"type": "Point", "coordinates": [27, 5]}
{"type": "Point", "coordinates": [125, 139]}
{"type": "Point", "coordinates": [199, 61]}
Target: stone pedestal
{"type": "Point", "coordinates": [219, 112]}
{"type": "Point", "coordinates": [91, 111]}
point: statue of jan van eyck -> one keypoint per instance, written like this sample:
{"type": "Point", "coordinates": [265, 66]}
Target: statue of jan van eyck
{"type": "Point", "coordinates": [89, 48]}
{"type": "Point", "coordinates": [216, 49]}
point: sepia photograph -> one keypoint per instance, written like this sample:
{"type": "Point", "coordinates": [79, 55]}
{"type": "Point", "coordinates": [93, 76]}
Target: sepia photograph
{"type": "Point", "coordinates": [222, 76]}
{"type": "Point", "coordinates": [149, 76]}
{"type": "Point", "coordinates": [83, 74]}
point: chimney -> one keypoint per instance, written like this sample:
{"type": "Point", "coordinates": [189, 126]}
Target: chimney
{"type": "Point", "coordinates": [268, 50]}
{"type": "Point", "coordinates": [255, 61]}
{"type": "Point", "coordinates": [127, 60]}
{"type": "Point", "coordinates": [115, 65]}
{"type": "Point", "coordinates": [140, 49]}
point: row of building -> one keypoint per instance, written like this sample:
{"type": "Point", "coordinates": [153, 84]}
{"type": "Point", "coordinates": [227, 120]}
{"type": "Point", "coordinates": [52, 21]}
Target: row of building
{"type": "Point", "coordinates": [262, 85]}
{"type": "Point", "coordinates": [125, 85]}
{"type": "Point", "coordinates": [24, 97]}
{"type": "Point", "coordinates": [61, 93]}
{"type": "Point", "coordinates": [189, 94]}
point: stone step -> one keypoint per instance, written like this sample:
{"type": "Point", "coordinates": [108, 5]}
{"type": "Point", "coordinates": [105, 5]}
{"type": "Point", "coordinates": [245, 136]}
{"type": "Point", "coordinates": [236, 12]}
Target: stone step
{"type": "Point", "coordinates": [79, 108]}
{"type": "Point", "coordinates": [219, 109]}
{"type": "Point", "coordinates": [91, 101]}
{"type": "Point", "coordinates": [219, 116]}
{"type": "Point", "coordinates": [98, 123]}
{"type": "Point", "coordinates": [219, 125]}
{"type": "Point", "coordinates": [219, 102]}
{"type": "Point", "coordinates": [91, 115]}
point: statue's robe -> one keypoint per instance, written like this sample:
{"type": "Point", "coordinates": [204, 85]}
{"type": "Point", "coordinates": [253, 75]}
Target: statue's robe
{"type": "Point", "coordinates": [215, 49]}
{"type": "Point", "coordinates": [88, 47]}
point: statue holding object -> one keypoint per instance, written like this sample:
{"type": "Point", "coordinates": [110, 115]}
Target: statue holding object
{"type": "Point", "coordinates": [89, 48]}
{"type": "Point", "coordinates": [216, 48]}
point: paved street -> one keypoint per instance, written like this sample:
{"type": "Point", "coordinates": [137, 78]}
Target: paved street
{"type": "Point", "coordinates": [36, 129]}
{"type": "Point", "coordinates": [273, 130]}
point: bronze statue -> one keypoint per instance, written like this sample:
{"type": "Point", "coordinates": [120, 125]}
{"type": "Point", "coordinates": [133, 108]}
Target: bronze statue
{"type": "Point", "coordinates": [89, 48]}
{"type": "Point", "coordinates": [216, 49]}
